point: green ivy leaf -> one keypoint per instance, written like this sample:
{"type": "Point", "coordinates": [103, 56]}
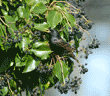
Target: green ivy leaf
{"type": "Point", "coordinates": [20, 61]}
{"type": "Point", "coordinates": [57, 70]}
{"type": "Point", "coordinates": [41, 26]}
{"type": "Point", "coordinates": [39, 8]}
{"type": "Point", "coordinates": [47, 85]}
{"type": "Point", "coordinates": [7, 8]}
{"type": "Point", "coordinates": [70, 18]}
{"type": "Point", "coordinates": [11, 24]}
{"type": "Point", "coordinates": [17, 59]}
{"type": "Point", "coordinates": [26, 13]}
{"type": "Point", "coordinates": [13, 84]}
{"type": "Point", "coordinates": [60, 4]}
{"type": "Point", "coordinates": [38, 44]}
{"type": "Point", "coordinates": [62, 36]}
{"type": "Point", "coordinates": [23, 63]}
{"type": "Point", "coordinates": [2, 33]}
{"type": "Point", "coordinates": [24, 43]}
{"type": "Point", "coordinates": [51, 79]}
{"type": "Point", "coordinates": [32, 2]}
{"type": "Point", "coordinates": [53, 18]}
{"type": "Point", "coordinates": [20, 11]}
{"type": "Point", "coordinates": [65, 29]}
{"type": "Point", "coordinates": [41, 52]}
{"type": "Point", "coordinates": [4, 90]}
{"type": "Point", "coordinates": [4, 12]}
{"type": "Point", "coordinates": [31, 64]}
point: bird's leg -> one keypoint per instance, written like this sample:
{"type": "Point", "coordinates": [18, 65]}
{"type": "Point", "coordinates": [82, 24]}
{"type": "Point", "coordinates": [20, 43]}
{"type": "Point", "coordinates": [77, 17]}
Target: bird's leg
{"type": "Point", "coordinates": [53, 59]}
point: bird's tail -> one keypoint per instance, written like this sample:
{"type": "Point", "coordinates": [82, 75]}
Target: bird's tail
{"type": "Point", "coordinates": [74, 57]}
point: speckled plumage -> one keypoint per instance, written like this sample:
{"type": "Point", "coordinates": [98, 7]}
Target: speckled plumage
{"type": "Point", "coordinates": [59, 46]}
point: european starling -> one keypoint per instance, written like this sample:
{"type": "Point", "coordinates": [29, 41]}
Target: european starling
{"type": "Point", "coordinates": [59, 46]}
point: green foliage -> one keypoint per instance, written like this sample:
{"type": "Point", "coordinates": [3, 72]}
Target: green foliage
{"type": "Point", "coordinates": [53, 18]}
{"type": "Point", "coordinates": [23, 26]}
{"type": "Point", "coordinates": [58, 72]}
{"type": "Point", "coordinates": [4, 90]}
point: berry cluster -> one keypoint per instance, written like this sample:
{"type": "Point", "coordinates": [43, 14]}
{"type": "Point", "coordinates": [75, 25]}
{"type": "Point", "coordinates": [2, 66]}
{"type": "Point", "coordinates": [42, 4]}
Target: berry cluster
{"type": "Point", "coordinates": [43, 69]}
{"type": "Point", "coordinates": [83, 70]}
{"type": "Point", "coordinates": [75, 32]}
{"type": "Point", "coordinates": [11, 40]}
{"type": "Point", "coordinates": [81, 19]}
{"type": "Point", "coordinates": [95, 44]}
{"type": "Point", "coordinates": [80, 16]}
{"type": "Point", "coordinates": [36, 36]}
{"type": "Point", "coordinates": [3, 81]}
{"type": "Point", "coordinates": [74, 85]}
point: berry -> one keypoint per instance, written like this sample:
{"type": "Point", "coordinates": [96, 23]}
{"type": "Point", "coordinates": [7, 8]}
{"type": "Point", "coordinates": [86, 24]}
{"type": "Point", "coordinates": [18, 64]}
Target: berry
{"type": "Point", "coordinates": [32, 25]}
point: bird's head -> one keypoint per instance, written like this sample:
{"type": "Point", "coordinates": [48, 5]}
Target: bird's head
{"type": "Point", "coordinates": [54, 33]}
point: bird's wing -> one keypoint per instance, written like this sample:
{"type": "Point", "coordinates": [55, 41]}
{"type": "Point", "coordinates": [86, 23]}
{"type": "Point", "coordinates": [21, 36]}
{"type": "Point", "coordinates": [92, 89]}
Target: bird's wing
{"type": "Point", "coordinates": [64, 45]}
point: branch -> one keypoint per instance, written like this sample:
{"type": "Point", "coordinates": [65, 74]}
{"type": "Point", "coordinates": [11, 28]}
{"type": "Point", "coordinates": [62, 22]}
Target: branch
{"type": "Point", "coordinates": [9, 87]}
{"type": "Point", "coordinates": [6, 24]}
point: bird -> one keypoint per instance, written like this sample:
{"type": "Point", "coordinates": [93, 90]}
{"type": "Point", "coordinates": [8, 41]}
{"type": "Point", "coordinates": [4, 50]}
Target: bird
{"type": "Point", "coordinates": [59, 46]}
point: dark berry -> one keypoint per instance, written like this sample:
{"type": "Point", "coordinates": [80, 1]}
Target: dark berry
{"type": "Point", "coordinates": [32, 25]}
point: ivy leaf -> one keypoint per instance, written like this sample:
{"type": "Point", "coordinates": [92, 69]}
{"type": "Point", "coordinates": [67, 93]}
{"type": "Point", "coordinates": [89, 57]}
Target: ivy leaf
{"type": "Point", "coordinates": [65, 29]}
{"type": "Point", "coordinates": [57, 70]}
{"type": "Point", "coordinates": [4, 12]}
{"type": "Point", "coordinates": [51, 79]}
{"type": "Point", "coordinates": [11, 24]}
{"type": "Point", "coordinates": [2, 33]}
{"type": "Point", "coordinates": [4, 90]}
{"type": "Point", "coordinates": [13, 84]}
{"type": "Point", "coordinates": [38, 44]}
{"type": "Point", "coordinates": [70, 18]}
{"type": "Point", "coordinates": [17, 60]}
{"type": "Point", "coordinates": [20, 11]}
{"type": "Point", "coordinates": [24, 43]}
{"type": "Point", "coordinates": [53, 18]}
{"type": "Point", "coordinates": [32, 2]}
{"type": "Point", "coordinates": [41, 52]}
{"type": "Point", "coordinates": [26, 13]}
{"type": "Point", "coordinates": [62, 36]}
{"type": "Point", "coordinates": [39, 8]}
{"type": "Point", "coordinates": [41, 26]}
{"type": "Point", "coordinates": [60, 4]}
{"type": "Point", "coordinates": [23, 62]}
{"type": "Point", "coordinates": [47, 85]}
{"type": "Point", "coordinates": [20, 61]}
{"type": "Point", "coordinates": [31, 64]}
